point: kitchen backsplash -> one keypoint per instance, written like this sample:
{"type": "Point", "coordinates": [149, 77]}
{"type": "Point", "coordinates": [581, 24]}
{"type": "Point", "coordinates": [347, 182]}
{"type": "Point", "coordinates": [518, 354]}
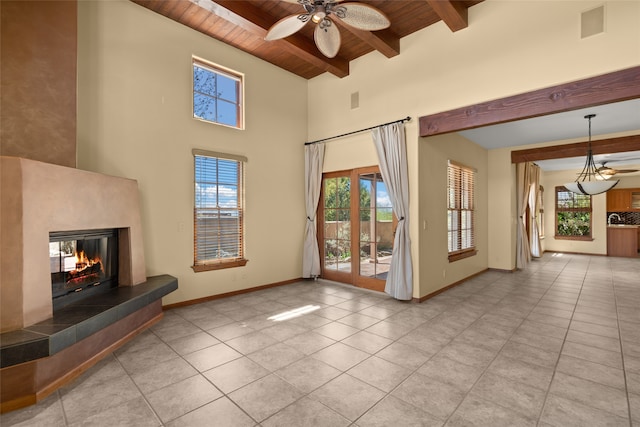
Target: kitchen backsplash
{"type": "Point", "coordinates": [630, 218]}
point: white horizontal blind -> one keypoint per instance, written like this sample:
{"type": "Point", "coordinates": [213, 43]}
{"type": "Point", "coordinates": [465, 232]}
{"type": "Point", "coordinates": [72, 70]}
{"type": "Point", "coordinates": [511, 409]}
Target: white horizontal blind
{"type": "Point", "coordinates": [460, 208]}
{"type": "Point", "coordinates": [218, 212]}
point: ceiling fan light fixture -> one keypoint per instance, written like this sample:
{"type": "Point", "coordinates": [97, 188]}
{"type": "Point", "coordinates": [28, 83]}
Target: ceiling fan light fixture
{"type": "Point", "coordinates": [319, 15]}
{"type": "Point", "coordinates": [590, 181]}
{"type": "Point", "coordinates": [603, 176]}
{"type": "Point", "coordinates": [323, 13]}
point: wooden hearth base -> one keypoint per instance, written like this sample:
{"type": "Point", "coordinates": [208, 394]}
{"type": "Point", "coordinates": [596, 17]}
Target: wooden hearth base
{"type": "Point", "coordinates": [28, 383]}
{"type": "Point", "coordinates": [39, 359]}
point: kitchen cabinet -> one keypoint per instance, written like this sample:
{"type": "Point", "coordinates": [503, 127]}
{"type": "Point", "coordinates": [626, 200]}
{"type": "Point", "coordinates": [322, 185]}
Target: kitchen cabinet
{"type": "Point", "coordinates": [623, 200]}
{"type": "Point", "coordinates": [635, 199]}
{"type": "Point", "coordinates": [622, 240]}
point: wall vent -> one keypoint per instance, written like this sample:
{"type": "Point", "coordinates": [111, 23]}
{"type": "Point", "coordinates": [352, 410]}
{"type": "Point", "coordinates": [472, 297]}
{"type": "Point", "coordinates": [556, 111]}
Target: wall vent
{"type": "Point", "coordinates": [592, 22]}
{"type": "Point", "coordinates": [355, 100]}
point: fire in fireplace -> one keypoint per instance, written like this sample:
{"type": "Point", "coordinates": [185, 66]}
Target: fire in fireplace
{"type": "Point", "coordinates": [82, 263]}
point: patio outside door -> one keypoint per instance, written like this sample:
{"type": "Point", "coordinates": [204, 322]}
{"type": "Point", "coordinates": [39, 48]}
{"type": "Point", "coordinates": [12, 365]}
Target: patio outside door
{"type": "Point", "coordinates": [357, 228]}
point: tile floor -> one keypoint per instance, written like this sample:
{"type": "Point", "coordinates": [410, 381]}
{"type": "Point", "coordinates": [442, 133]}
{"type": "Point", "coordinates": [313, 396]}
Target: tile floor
{"type": "Point", "coordinates": [557, 344]}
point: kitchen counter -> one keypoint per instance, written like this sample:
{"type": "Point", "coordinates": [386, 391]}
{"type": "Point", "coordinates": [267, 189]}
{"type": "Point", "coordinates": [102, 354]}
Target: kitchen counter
{"type": "Point", "coordinates": [623, 240]}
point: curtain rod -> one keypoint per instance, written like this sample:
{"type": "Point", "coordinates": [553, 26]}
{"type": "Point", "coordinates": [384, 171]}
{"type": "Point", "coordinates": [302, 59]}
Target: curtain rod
{"type": "Point", "coordinates": [406, 119]}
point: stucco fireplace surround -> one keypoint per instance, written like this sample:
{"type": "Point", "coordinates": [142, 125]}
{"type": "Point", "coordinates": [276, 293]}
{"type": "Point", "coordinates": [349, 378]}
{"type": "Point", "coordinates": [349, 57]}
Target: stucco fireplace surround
{"type": "Point", "coordinates": [42, 350]}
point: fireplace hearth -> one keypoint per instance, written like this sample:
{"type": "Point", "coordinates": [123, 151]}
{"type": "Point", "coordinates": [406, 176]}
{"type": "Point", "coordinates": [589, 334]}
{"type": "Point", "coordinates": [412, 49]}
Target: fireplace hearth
{"type": "Point", "coordinates": [42, 349]}
{"type": "Point", "coordinates": [83, 263]}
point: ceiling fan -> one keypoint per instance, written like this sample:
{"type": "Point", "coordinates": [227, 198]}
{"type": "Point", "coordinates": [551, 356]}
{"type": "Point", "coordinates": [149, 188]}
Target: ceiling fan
{"type": "Point", "coordinates": [608, 172]}
{"type": "Point", "coordinates": [323, 13]}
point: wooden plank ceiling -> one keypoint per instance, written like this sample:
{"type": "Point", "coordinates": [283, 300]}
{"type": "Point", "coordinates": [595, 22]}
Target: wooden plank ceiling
{"type": "Point", "coordinates": [244, 24]}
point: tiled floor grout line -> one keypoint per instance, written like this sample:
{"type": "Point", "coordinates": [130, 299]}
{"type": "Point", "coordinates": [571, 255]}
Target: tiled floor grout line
{"type": "Point", "coordinates": [484, 371]}
{"type": "Point", "coordinates": [64, 413]}
{"type": "Point", "coordinates": [624, 371]}
{"type": "Point", "coordinates": [564, 340]}
{"type": "Point", "coordinates": [115, 356]}
{"type": "Point", "coordinates": [198, 373]}
{"type": "Point", "coordinates": [498, 353]}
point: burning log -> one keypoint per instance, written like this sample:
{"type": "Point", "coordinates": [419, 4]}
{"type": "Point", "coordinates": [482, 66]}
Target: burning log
{"type": "Point", "coordinates": [89, 270]}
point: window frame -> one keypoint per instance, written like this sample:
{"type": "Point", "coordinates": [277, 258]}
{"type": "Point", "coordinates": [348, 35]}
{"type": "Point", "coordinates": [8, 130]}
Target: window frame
{"type": "Point", "coordinates": [224, 72]}
{"type": "Point", "coordinates": [240, 260]}
{"type": "Point", "coordinates": [557, 210]}
{"type": "Point", "coordinates": [458, 171]}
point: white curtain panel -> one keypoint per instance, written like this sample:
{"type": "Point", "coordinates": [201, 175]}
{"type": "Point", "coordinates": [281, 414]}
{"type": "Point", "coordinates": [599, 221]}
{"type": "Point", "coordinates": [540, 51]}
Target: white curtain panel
{"type": "Point", "coordinates": [392, 156]}
{"type": "Point", "coordinates": [534, 193]}
{"type": "Point", "coordinates": [523, 185]}
{"type": "Point", "coordinates": [313, 160]}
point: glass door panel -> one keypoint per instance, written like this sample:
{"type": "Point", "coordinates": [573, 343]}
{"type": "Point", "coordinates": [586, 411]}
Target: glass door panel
{"type": "Point", "coordinates": [357, 228]}
{"type": "Point", "coordinates": [337, 224]}
{"type": "Point", "coordinates": [376, 231]}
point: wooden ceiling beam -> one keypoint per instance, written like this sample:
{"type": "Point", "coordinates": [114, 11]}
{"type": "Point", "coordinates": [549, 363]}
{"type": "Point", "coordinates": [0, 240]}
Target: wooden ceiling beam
{"type": "Point", "coordinates": [578, 149]}
{"type": "Point", "coordinates": [250, 18]}
{"type": "Point", "coordinates": [453, 13]}
{"type": "Point", "coordinates": [612, 87]}
{"type": "Point", "coordinates": [384, 41]}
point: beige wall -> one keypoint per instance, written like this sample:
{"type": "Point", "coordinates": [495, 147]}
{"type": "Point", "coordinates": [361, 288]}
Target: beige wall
{"type": "Point", "coordinates": [434, 153]}
{"type": "Point", "coordinates": [510, 47]}
{"type": "Point", "coordinates": [598, 218]}
{"type": "Point", "coordinates": [627, 181]}
{"type": "Point", "coordinates": [134, 120]}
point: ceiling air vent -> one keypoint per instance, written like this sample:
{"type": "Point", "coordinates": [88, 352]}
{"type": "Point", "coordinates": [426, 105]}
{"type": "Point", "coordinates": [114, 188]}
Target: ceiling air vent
{"type": "Point", "coordinates": [592, 22]}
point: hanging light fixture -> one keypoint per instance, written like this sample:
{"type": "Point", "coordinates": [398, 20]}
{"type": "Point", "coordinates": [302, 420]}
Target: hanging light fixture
{"type": "Point", "coordinates": [590, 181]}
{"type": "Point", "coordinates": [323, 13]}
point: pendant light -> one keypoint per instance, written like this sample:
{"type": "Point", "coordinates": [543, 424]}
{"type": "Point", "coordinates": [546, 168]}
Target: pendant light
{"type": "Point", "coordinates": [590, 181]}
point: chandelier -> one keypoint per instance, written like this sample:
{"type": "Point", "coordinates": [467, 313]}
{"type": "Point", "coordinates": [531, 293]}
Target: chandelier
{"type": "Point", "coordinates": [590, 181]}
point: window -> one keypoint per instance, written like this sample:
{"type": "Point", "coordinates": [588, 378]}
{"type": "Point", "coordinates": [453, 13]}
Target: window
{"type": "Point", "coordinates": [460, 213]}
{"type": "Point", "coordinates": [219, 212]}
{"type": "Point", "coordinates": [217, 94]}
{"type": "Point", "coordinates": [573, 215]}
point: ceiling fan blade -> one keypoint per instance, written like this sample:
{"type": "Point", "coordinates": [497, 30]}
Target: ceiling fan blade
{"type": "Point", "coordinates": [362, 16]}
{"type": "Point", "coordinates": [287, 26]}
{"type": "Point", "coordinates": [626, 170]}
{"type": "Point", "coordinates": [327, 38]}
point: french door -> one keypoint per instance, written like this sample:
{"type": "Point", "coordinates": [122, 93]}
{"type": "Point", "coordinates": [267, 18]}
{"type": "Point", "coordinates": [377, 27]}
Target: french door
{"type": "Point", "coordinates": [357, 227]}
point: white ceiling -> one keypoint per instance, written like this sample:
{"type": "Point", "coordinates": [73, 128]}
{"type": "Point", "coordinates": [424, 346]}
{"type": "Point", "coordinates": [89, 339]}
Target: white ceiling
{"type": "Point", "coordinates": [610, 119]}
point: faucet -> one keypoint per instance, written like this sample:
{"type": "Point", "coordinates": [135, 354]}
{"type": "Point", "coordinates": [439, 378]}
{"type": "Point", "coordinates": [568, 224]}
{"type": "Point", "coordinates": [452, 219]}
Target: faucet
{"type": "Point", "coordinates": [612, 215]}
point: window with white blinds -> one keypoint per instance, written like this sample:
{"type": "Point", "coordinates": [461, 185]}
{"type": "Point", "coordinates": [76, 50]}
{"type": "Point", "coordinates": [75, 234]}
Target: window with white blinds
{"type": "Point", "coordinates": [460, 211]}
{"type": "Point", "coordinates": [218, 211]}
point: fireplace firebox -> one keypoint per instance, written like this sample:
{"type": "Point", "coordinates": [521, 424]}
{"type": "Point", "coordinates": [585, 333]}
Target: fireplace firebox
{"type": "Point", "coordinates": [82, 263]}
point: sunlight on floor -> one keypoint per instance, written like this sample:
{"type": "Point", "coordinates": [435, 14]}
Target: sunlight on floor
{"type": "Point", "coordinates": [290, 314]}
